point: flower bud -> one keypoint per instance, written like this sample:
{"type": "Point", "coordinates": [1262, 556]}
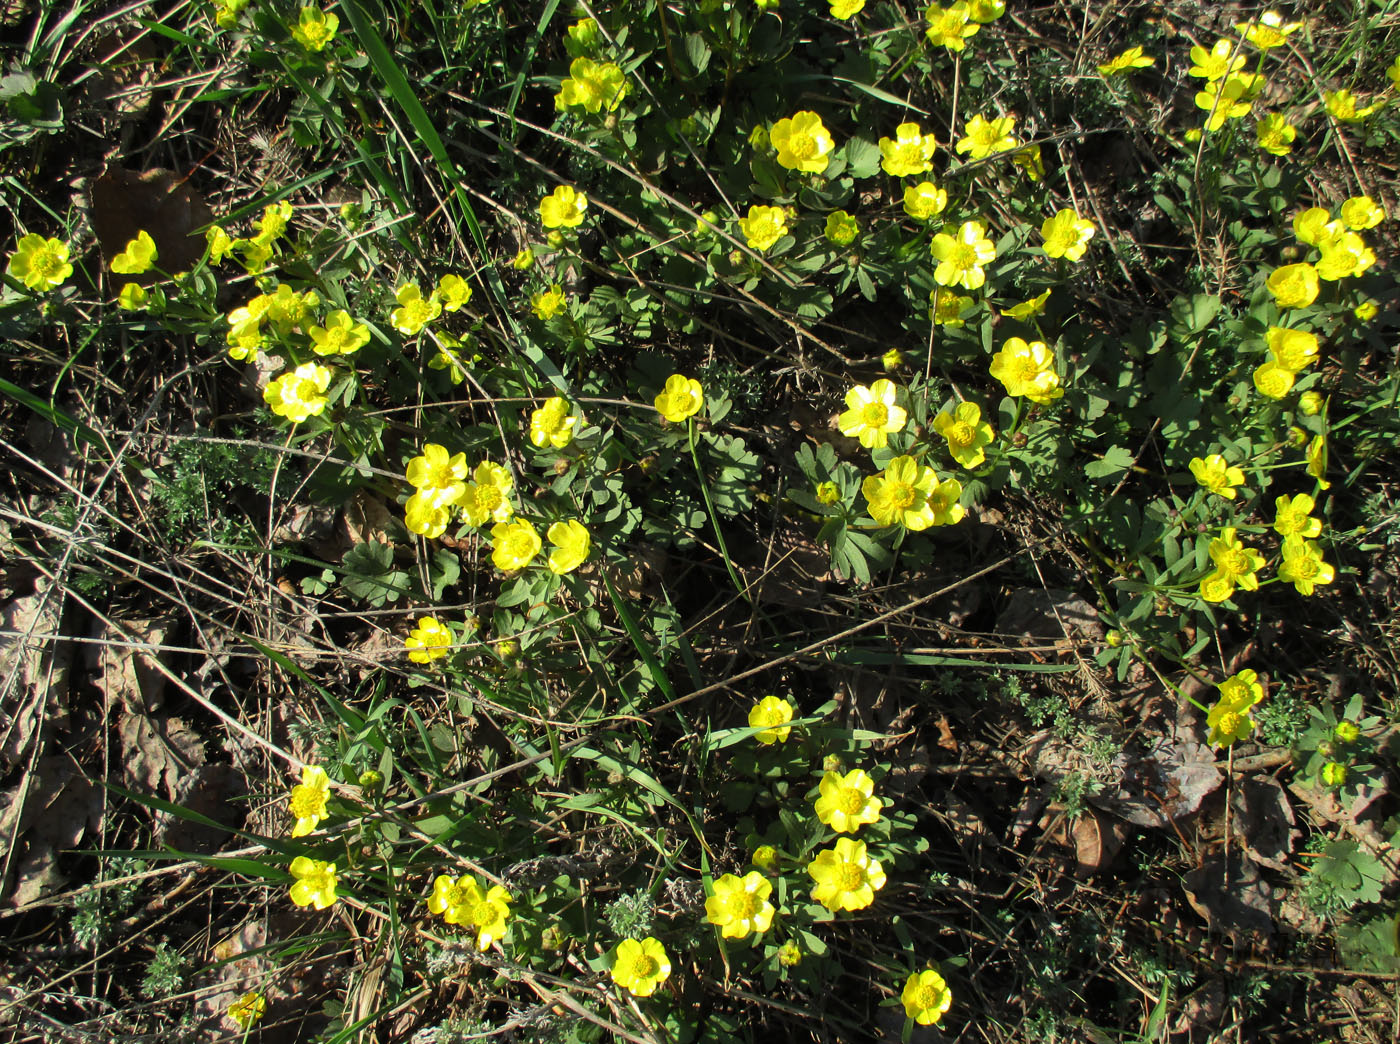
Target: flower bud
{"type": "Point", "coordinates": [765, 857]}
{"type": "Point", "coordinates": [1346, 731]}
{"type": "Point", "coordinates": [892, 360]}
{"type": "Point", "coordinates": [1334, 774]}
{"type": "Point", "coordinates": [1310, 404]}
{"type": "Point", "coordinates": [828, 493]}
{"type": "Point", "coordinates": [789, 954]}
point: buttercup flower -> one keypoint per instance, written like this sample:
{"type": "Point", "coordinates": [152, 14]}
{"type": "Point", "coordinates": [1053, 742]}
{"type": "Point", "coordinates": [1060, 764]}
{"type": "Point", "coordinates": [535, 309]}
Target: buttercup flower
{"type": "Point", "coordinates": [1342, 106]}
{"type": "Point", "coordinates": [227, 13]}
{"type": "Point", "coordinates": [1344, 256]}
{"type": "Point", "coordinates": [1316, 455]}
{"type": "Point", "coordinates": [924, 201]}
{"type": "Point", "coordinates": [1027, 310]}
{"type": "Point", "coordinates": [789, 954]}
{"type": "Point", "coordinates": [133, 297]}
{"type": "Point", "coordinates": [1346, 731]}
{"type": "Point", "coordinates": [552, 424]}
{"type": "Point", "coordinates": [926, 997]}
{"type": "Point", "coordinates": [1269, 31]}
{"type": "Point", "coordinates": [548, 303]}
{"type": "Point", "coordinates": [523, 259]}
{"type": "Point", "coordinates": [464, 901]}
{"type": "Point", "coordinates": [1310, 404]}
{"type": "Point", "coordinates": [1295, 350]}
{"type": "Point", "coordinates": [582, 36]}
{"type": "Point", "coordinates": [138, 257]}
{"type": "Point", "coordinates": [765, 857]}
{"type": "Point", "coordinates": [846, 876]}
{"type": "Point", "coordinates": [315, 882]}
{"type": "Point", "coordinates": [427, 513]}
{"type": "Point", "coordinates": [846, 803]}
{"type": "Point", "coordinates": [892, 360]}
{"type": "Point", "coordinates": [1361, 212]}
{"type": "Point", "coordinates": [273, 222]}
{"type": "Point", "coordinates": [1132, 58]}
{"type": "Point", "coordinates": [439, 472]}
{"type": "Point", "coordinates": [1235, 561]}
{"type": "Point", "coordinates": [486, 497]}
{"type": "Point", "coordinates": [772, 714]}
{"type": "Point", "coordinates": [1293, 286]}
{"type": "Point", "coordinates": [315, 29]}
{"type": "Point", "coordinates": [1229, 719]}
{"type": "Point", "coordinates": [1273, 380]}
{"type": "Point", "coordinates": [429, 641]}
{"type": "Point", "coordinates": [1303, 566]}
{"type": "Point", "coordinates": [340, 336]}
{"type": "Point", "coordinates": [565, 207]}
{"type": "Point", "coordinates": [307, 802]}
{"type": "Point", "coordinates": [452, 292]}
{"type": "Point", "coordinates": [289, 309]}
{"type": "Point", "coordinates": [1333, 774]}
{"type": "Point", "coordinates": [1028, 159]}
{"type": "Point", "coordinates": [1275, 135]}
{"type": "Point", "coordinates": [950, 26]}
{"type": "Point", "coordinates": [248, 1010]}
{"type": "Point", "coordinates": [682, 397]}
{"type": "Point", "coordinates": [841, 228]}
{"type": "Point", "coordinates": [907, 494]}
{"type": "Point", "coordinates": [219, 243]}
{"type": "Point", "coordinates": [639, 966]}
{"type": "Point", "coordinates": [966, 432]}
{"type": "Point", "coordinates": [827, 493]}
{"type": "Point", "coordinates": [571, 543]}
{"type": "Point", "coordinates": [872, 414]}
{"type": "Point", "coordinates": [802, 143]}
{"type": "Point", "coordinates": [983, 137]}
{"type": "Point", "coordinates": [1067, 235]}
{"type": "Point", "coordinates": [1315, 226]}
{"type": "Point", "coordinates": [514, 545]}
{"type": "Point", "coordinates": [1027, 369]}
{"type": "Point", "coordinates": [1392, 72]}
{"type": "Point", "coordinates": [948, 307]}
{"type": "Point", "coordinates": [300, 393]}
{"type": "Point", "coordinates": [1229, 99]}
{"type": "Point", "coordinates": [845, 9]}
{"type": "Point", "coordinates": [414, 311]}
{"type": "Point", "coordinates": [1216, 587]}
{"type": "Point", "coordinates": [960, 258]}
{"type": "Point", "coordinates": [909, 152]}
{"type": "Point", "coordinates": [1217, 63]}
{"type": "Point", "coordinates": [764, 226]}
{"type": "Point", "coordinates": [740, 905]}
{"type": "Point", "coordinates": [592, 86]}
{"type": "Point", "coordinates": [39, 263]}
{"type": "Point", "coordinates": [1217, 474]}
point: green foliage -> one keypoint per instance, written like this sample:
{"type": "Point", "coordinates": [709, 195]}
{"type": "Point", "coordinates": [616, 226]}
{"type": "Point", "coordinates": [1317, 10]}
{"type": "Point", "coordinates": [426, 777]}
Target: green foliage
{"type": "Point", "coordinates": [165, 974]}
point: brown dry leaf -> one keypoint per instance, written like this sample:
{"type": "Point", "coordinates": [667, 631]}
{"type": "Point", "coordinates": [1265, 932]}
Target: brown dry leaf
{"type": "Point", "coordinates": [1202, 1008]}
{"type": "Point", "coordinates": [156, 753]}
{"type": "Point", "coordinates": [314, 526]}
{"type": "Point", "coordinates": [130, 677]}
{"type": "Point", "coordinates": [1048, 613]}
{"type": "Point", "coordinates": [125, 202]}
{"type": "Point", "coordinates": [34, 674]}
{"type": "Point", "coordinates": [213, 791]}
{"type": "Point", "coordinates": [1263, 819]}
{"type": "Point", "coordinates": [367, 518]}
{"type": "Point", "coordinates": [1167, 783]}
{"type": "Point", "coordinates": [1231, 896]}
{"type": "Point", "coordinates": [129, 57]}
{"type": "Point", "coordinates": [45, 814]}
{"type": "Point", "coordinates": [1097, 841]}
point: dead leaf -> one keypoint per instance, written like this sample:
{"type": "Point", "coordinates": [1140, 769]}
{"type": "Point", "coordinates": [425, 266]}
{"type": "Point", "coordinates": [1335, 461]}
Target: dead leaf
{"type": "Point", "coordinates": [131, 677]}
{"type": "Point", "coordinates": [34, 672]}
{"type": "Point", "coordinates": [1202, 1008]}
{"type": "Point", "coordinates": [129, 59]}
{"type": "Point", "coordinates": [367, 518]}
{"type": "Point", "coordinates": [213, 791]}
{"type": "Point", "coordinates": [157, 752]}
{"type": "Point", "coordinates": [47, 813]}
{"type": "Point", "coordinates": [1050, 614]}
{"type": "Point", "coordinates": [1165, 784]}
{"type": "Point", "coordinates": [125, 202]}
{"type": "Point", "coordinates": [1263, 820]}
{"type": "Point", "coordinates": [1232, 897]}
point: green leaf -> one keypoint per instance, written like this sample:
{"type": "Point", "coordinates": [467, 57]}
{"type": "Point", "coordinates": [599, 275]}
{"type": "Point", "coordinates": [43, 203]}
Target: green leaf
{"type": "Point", "coordinates": [1117, 460]}
{"type": "Point", "coordinates": [862, 158]}
{"type": "Point", "coordinates": [697, 51]}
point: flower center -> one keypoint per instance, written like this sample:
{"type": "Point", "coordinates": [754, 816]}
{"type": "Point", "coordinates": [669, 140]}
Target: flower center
{"type": "Point", "coordinates": [1229, 723]}
{"type": "Point", "coordinates": [961, 434]}
{"type": "Point", "coordinates": [927, 997]}
{"type": "Point", "coordinates": [1236, 562]}
{"type": "Point", "coordinates": [743, 906]}
{"type": "Point", "coordinates": [306, 801]}
{"type": "Point", "coordinates": [804, 146]}
{"type": "Point", "coordinates": [902, 495]}
{"type": "Point", "coordinates": [643, 966]}
{"type": "Point", "coordinates": [1304, 567]}
{"type": "Point", "coordinates": [44, 262]}
{"type": "Point", "coordinates": [1027, 370]}
{"type": "Point", "coordinates": [875, 415]}
{"type": "Point", "coordinates": [483, 913]}
{"type": "Point", "coordinates": [488, 497]}
{"type": "Point", "coordinates": [850, 877]}
{"type": "Point", "coordinates": [851, 801]}
{"type": "Point", "coordinates": [518, 545]}
{"type": "Point", "coordinates": [964, 256]}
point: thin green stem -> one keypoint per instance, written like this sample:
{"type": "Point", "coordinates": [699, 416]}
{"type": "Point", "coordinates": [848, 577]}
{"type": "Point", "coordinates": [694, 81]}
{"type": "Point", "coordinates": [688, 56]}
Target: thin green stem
{"type": "Point", "coordinates": [710, 510]}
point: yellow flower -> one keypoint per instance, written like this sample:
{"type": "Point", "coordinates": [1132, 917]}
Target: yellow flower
{"type": "Point", "coordinates": [463, 901]}
{"type": "Point", "coordinates": [1393, 72]}
{"type": "Point", "coordinates": [1229, 99]}
{"type": "Point", "coordinates": [1275, 135]}
{"type": "Point", "coordinates": [1229, 719]}
{"type": "Point", "coordinates": [299, 394]}
{"type": "Point", "coordinates": [592, 86]}
{"type": "Point", "coordinates": [828, 493]}
{"type": "Point", "coordinates": [438, 471]}
{"type": "Point", "coordinates": [1028, 310]}
{"type": "Point", "coordinates": [565, 207]}
{"type": "Point", "coordinates": [340, 336]}
{"type": "Point", "coordinates": [764, 226]}
{"type": "Point", "coordinates": [486, 497]}
{"type": "Point", "coordinates": [1293, 286]}
{"type": "Point", "coordinates": [1216, 587]}
{"type": "Point", "coordinates": [514, 545]}
{"type": "Point", "coordinates": [872, 414]}
{"type": "Point", "coordinates": [892, 360]}
{"type": "Point", "coordinates": [906, 494]}
{"type": "Point", "coordinates": [772, 714]}
{"type": "Point", "coordinates": [427, 513]}
{"type": "Point", "coordinates": [248, 1010]}
{"type": "Point", "coordinates": [227, 13]}
{"type": "Point", "coordinates": [1342, 106]}
{"type": "Point", "coordinates": [41, 264]}
{"type": "Point", "coordinates": [583, 36]}
{"type": "Point", "coordinates": [1132, 58]}
{"type": "Point", "coordinates": [1066, 235]}
{"type": "Point", "coordinates": [1273, 380]}
{"type": "Point", "coordinates": [414, 311]}
{"type": "Point", "coordinates": [841, 228]}
{"type": "Point", "coordinates": [1232, 559]}
{"type": "Point", "coordinates": [1293, 517]}
{"type": "Point", "coordinates": [1315, 226]}
{"type": "Point", "coordinates": [1344, 257]}
{"type": "Point", "coordinates": [523, 259]}
{"type": "Point", "coordinates": [288, 309]}
{"type": "Point", "coordinates": [765, 857]}
{"type": "Point", "coordinates": [452, 292]}
{"type": "Point", "coordinates": [273, 222]}
{"type": "Point", "coordinates": [845, 9]}
{"type": "Point", "coordinates": [552, 424]}
{"type": "Point", "coordinates": [138, 257]}
{"type": "Point", "coordinates": [640, 966]}
{"type": "Point", "coordinates": [548, 303]}
{"type": "Point", "coordinates": [740, 905]}
{"type": "Point", "coordinates": [1310, 404]}
{"type": "Point", "coordinates": [1027, 369]}
{"type": "Point", "coordinates": [133, 297]}
{"type": "Point", "coordinates": [950, 26]}
{"type": "Point", "coordinates": [846, 803]}
{"type": "Point", "coordinates": [1367, 310]}
{"type": "Point", "coordinates": [967, 433]}
{"type": "Point", "coordinates": [307, 803]}
{"type": "Point", "coordinates": [926, 997]}
{"type": "Point", "coordinates": [315, 28]}
{"type": "Point", "coordinates": [983, 137]}
{"type": "Point", "coordinates": [1361, 212]}
{"type": "Point", "coordinates": [986, 10]}
{"type": "Point", "coordinates": [315, 882]}
{"type": "Point", "coordinates": [1303, 566]}
{"type": "Point", "coordinates": [948, 307]}
{"type": "Point", "coordinates": [1217, 63]}
{"type": "Point", "coordinates": [1028, 159]}
{"type": "Point", "coordinates": [1294, 350]}
{"type": "Point", "coordinates": [571, 543]}
{"type": "Point", "coordinates": [924, 201]}
{"type": "Point", "coordinates": [1316, 455]}
{"type": "Point", "coordinates": [681, 397]}
{"type": "Point", "coordinates": [960, 259]}
{"type": "Point", "coordinates": [1216, 474]}
{"type": "Point", "coordinates": [218, 242]}
{"type": "Point", "coordinates": [1269, 31]}
{"type": "Point", "coordinates": [802, 143]}
{"type": "Point", "coordinates": [846, 876]}
{"type": "Point", "coordinates": [429, 641]}
{"type": "Point", "coordinates": [909, 152]}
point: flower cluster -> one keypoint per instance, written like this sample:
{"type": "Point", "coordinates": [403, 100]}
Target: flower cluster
{"type": "Point", "coordinates": [591, 87]}
{"type": "Point", "coordinates": [465, 901]}
{"type": "Point", "coordinates": [1228, 720]}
